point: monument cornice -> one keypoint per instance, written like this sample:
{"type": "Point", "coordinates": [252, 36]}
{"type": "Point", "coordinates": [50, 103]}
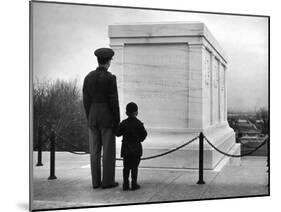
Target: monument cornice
{"type": "Point", "coordinates": [170, 30]}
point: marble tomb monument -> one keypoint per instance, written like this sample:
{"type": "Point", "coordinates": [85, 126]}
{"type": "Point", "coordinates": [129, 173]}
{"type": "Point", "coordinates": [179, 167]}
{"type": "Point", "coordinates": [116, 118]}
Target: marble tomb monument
{"type": "Point", "coordinates": [176, 73]}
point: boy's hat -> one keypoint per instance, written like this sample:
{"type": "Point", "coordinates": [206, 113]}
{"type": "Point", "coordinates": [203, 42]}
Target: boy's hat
{"type": "Point", "coordinates": [131, 107]}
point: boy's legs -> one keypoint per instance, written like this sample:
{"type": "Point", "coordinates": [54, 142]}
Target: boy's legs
{"type": "Point", "coordinates": [134, 172]}
{"type": "Point", "coordinates": [126, 172]}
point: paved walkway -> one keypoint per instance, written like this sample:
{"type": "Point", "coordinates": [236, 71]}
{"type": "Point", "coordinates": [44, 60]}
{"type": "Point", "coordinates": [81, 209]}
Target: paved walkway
{"type": "Point", "coordinates": [73, 186]}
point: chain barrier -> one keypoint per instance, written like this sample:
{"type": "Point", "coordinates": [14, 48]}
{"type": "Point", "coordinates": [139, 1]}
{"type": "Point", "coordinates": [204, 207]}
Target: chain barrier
{"type": "Point", "coordinates": [173, 150]}
{"type": "Point", "coordinates": [168, 152]}
{"type": "Point", "coordinates": [73, 152]}
{"type": "Point", "coordinates": [119, 159]}
{"type": "Point", "coordinates": [237, 156]}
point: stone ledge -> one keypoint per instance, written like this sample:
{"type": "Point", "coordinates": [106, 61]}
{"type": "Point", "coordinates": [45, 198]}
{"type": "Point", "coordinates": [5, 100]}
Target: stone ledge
{"type": "Point", "coordinates": [165, 29]}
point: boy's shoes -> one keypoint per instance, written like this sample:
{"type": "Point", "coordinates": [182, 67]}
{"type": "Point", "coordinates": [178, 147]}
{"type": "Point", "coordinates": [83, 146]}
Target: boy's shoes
{"type": "Point", "coordinates": [111, 186]}
{"type": "Point", "coordinates": [135, 187]}
{"type": "Point", "coordinates": [125, 187]}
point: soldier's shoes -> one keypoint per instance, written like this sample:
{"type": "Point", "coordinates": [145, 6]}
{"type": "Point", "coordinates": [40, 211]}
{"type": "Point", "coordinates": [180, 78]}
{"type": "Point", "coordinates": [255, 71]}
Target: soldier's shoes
{"type": "Point", "coordinates": [110, 186]}
{"type": "Point", "coordinates": [97, 186]}
{"type": "Point", "coordinates": [135, 187]}
{"type": "Point", "coordinates": [125, 187]}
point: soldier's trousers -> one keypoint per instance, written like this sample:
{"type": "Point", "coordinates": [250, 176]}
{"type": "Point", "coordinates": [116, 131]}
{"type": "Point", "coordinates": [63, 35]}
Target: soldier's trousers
{"type": "Point", "coordinates": [102, 140]}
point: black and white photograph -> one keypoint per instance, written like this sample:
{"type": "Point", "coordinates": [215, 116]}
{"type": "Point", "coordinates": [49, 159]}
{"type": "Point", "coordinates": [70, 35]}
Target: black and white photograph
{"type": "Point", "coordinates": [134, 105]}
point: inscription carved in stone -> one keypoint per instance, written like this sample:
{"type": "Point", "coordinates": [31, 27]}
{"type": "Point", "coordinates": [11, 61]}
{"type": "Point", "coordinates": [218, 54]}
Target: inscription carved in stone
{"type": "Point", "coordinates": [222, 78]}
{"type": "Point", "coordinates": [216, 72]}
{"type": "Point", "coordinates": [207, 67]}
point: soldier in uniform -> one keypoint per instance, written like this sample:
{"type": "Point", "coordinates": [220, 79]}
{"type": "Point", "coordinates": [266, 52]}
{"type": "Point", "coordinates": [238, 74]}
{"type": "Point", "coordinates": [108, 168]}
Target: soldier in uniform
{"type": "Point", "coordinates": [100, 98]}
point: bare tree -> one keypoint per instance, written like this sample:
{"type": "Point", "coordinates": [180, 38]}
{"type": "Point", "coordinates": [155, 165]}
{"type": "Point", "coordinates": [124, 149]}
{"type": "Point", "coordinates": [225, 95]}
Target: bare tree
{"type": "Point", "coordinates": [59, 105]}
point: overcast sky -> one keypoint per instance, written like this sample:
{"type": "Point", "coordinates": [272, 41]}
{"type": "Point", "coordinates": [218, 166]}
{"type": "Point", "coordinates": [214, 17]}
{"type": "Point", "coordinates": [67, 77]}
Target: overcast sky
{"type": "Point", "coordinates": [65, 37]}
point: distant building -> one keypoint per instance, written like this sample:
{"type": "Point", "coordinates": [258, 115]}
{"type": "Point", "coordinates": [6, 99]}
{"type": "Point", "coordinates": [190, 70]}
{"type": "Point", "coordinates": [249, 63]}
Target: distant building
{"type": "Point", "coordinates": [244, 127]}
{"type": "Point", "coordinates": [259, 122]}
{"type": "Point", "coordinates": [250, 132]}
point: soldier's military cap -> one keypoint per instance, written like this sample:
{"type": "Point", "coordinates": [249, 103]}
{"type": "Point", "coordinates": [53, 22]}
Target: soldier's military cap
{"type": "Point", "coordinates": [104, 53]}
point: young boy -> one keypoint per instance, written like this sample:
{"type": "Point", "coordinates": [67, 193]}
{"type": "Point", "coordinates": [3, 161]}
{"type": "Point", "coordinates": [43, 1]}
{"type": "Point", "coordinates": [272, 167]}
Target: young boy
{"type": "Point", "coordinates": [133, 133]}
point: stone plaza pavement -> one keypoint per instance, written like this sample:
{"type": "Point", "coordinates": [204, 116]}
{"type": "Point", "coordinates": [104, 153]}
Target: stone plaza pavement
{"type": "Point", "coordinates": [72, 188]}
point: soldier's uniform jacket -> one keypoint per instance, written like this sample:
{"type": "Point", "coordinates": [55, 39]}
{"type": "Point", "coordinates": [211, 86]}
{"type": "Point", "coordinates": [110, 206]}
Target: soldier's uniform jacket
{"type": "Point", "coordinates": [100, 98]}
{"type": "Point", "coordinates": [133, 133]}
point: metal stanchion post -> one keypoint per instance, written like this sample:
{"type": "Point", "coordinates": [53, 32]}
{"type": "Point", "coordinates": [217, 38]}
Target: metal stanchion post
{"type": "Point", "coordinates": [201, 158]}
{"type": "Point", "coordinates": [39, 151]}
{"type": "Point", "coordinates": [52, 156]}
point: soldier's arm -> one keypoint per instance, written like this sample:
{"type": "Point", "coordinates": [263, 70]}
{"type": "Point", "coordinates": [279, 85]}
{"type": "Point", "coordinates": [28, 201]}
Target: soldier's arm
{"type": "Point", "coordinates": [113, 99]}
{"type": "Point", "coordinates": [86, 98]}
{"type": "Point", "coordinates": [120, 130]}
